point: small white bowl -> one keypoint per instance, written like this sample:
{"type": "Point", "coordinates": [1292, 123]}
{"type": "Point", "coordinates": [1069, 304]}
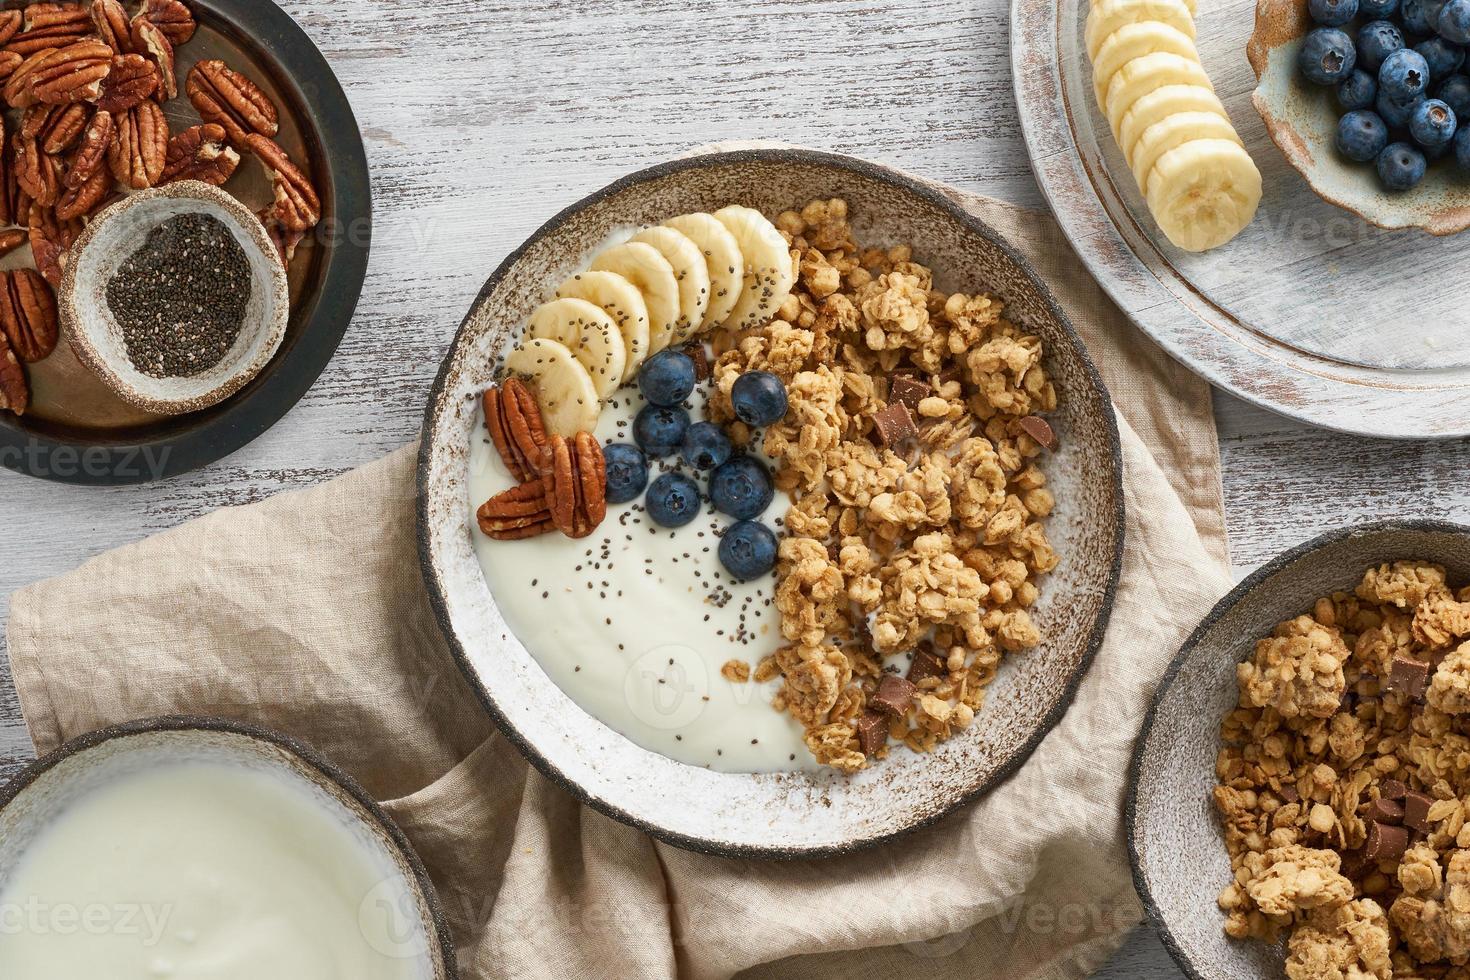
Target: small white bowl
{"type": "Point", "coordinates": [94, 334]}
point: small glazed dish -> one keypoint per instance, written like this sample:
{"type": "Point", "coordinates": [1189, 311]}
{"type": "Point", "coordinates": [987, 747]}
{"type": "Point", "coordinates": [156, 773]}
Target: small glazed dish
{"type": "Point", "coordinates": [35, 798]}
{"type": "Point", "coordinates": [87, 322]}
{"type": "Point", "coordinates": [1302, 120]}
{"type": "Point", "coordinates": [797, 813]}
{"type": "Point", "coordinates": [1175, 837]}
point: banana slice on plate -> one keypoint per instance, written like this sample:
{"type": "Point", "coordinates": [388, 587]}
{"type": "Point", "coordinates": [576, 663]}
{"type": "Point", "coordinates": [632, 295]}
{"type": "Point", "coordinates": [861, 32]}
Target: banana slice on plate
{"type": "Point", "coordinates": [1174, 131]}
{"type": "Point", "coordinates": [1144, 75]}
{"type": "Point", "coordinates": [1133, 41]}
{"type": "Point", "coordinates": [770, 271]}
{"type": "Point", "coordinates": [1204, 192]}
{"type": "Point", "coordinates": [1108, 16]}
{"type": "Point", "coordinates": [1159, 105]}
{"type": "Point", "coordinates": [644, 267]}
{"type": "Point", "coordinates": [590, 334]}
{"type": "Point", "coordinates": [690, 271]}
{"type": "Point", "coordinates": [622, 301]}
{"type": "Point", "coordinates": [1193, 8]}
{"type": "Point", "coordinates": [564, 388]}
{"type": "Point", "coordinates": [722, 258]}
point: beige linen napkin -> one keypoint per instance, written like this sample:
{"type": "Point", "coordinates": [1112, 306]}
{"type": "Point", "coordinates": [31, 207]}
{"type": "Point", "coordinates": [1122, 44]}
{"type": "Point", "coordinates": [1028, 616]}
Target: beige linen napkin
{"type": "Point", "coordinates": [306, 613]}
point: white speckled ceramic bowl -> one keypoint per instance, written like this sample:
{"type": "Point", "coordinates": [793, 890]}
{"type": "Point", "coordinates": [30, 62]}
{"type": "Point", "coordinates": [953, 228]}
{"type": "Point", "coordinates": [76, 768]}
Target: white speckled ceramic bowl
{"type": "Point", "coordinates": [1174, 836]}
{"type": "Point", "coordinates": [48, 786]}
{"type": "Point", "coordinates": [789, 814]}
{"type": "Point", "coordinates": [1302, 119]}
{"type": "Point", "coordinates": [110, 238]}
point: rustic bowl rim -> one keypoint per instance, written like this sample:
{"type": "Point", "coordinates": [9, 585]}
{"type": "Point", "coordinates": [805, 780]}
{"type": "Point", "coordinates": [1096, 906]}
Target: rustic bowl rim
{"type": "Point", "coordinates": [1231, 599]}
{"type": "Point", "coordinates": [846, 165]}
{"type": "Point", "coordinates": [293, 746]}
{"type": "Point", "coordinates": [250, 361]}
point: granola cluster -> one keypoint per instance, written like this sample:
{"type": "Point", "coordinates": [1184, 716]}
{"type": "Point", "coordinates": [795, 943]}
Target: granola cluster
{"type": "Point", "coordinates": [1344, 783]}
{"type": "Point", "coordinates": [916, 533]}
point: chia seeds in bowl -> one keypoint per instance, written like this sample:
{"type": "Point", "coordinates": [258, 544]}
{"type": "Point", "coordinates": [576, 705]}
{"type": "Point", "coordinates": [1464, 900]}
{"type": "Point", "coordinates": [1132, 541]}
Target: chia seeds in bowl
{"type": "Point", "coordinates": [181, 298]}
{"type": "Point", "coordinates": [175, 298]}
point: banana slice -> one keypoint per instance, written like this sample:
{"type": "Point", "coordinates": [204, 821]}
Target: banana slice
{"type": "Point", "coordinates": [1159, 105]}
{"type": "Point", "coordinates": [590, 334]}
{"type": "Point", "coordinates": [1203, 193]}
{"type": "Point", "coordinates": [1174, 131]}
{"type": "Point", "coordinates": [1143, 75]}
{"type": "Point", "coordinates": [564, 389]}
{"type": "Point", "coordinates": [622, 301]}
{"type": "Point", "coordinates": [1193, 8]}
{"type": "Point", "coordinates": [770, 271]}
{"type": "Point", "coordinates": [1108, 15]}
{"type": "Point", "coordinates": [1134, 41]}
{"type": "Point", "coordinates": [690, 270]}
{"type": "Point", "coordinates": [723, 259]}
{"type": "Point", "coordinates": [644, 267]}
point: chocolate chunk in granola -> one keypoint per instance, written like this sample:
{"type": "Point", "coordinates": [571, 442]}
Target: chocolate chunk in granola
{"type": "Point", "coordinates": [1385, 843]}
{"type": "Point", "coordinates": [1416, 811]}
{"type": "Point", "coordinates": [926, 665]}
{"type": "Point", "coordinates": [954, 372]}
{"type": "Point", "coordinates": [1408, 677]}
{"type": "Point", "coordinates": [872, 730]}
{"type": "Point", "coordinates": [908, 391]}
{"type": "Point", "coordinates": [1289, 793]}
{"type": "Point", "coordinates": [1355, 863]}
{"type": "Point", "coordinates": [895, 426]}
{"type": "Point", "coordinates": [894, 695]}
{"type": "Point", "coordinates": [1040, 429]}
{"type": "Point", "coordinates": [696, 352]}
{"type": "Point", "coordinates": [1392, 789]}
{"type": "Point", "coordinates": [1386, 811]}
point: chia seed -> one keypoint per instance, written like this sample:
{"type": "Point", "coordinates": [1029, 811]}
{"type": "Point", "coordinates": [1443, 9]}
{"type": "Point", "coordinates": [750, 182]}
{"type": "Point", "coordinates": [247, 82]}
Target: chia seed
{"type": "Point", "coordinates": [180, 299]}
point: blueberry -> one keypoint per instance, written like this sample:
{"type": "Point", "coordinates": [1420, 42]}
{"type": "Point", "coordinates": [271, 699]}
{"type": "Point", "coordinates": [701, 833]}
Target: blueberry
{"type": "Point", "coordinates": [706, 446]}
{"type": "Point", "coordinates": [1420, 16]}
{"type": "Point", "coordinates": [1400, 166]}
{"type": "Point", "coordinates": [1327, 56]}
{"type": "Point", "coordinates": [1332, 13]}
{"type": "Point", "coordinates": [748, 550]}
{"type": "Point", "coordinates": [759, 398]}
{"type": "Point", "coordinates": [1358, 92]}
{"type": "Point", "coordinates": [1432, 124]}
{"type": "Point", "coordinates": [1378, 8]}
{"type": "Point", "coordinates": [627, 472]}
{"type": "Point", "coordinates": [1443, 58]}
{"type": "Point", "coordinates": [1455, 93]}
{"type": "Point", "coordinates": [1454, 21]}
{"type": "Point", "coordinates": [1462, 148]}
{"type": "Point", "coordinates": [1433, 153]}
{"type": "Point", "coordinates": [673, 500]}
{"type": "Point", "coordinates": [667, 378]}
{"type": "Point", "coordinates": [742, 488]}
{"type": "Point", "coordinates": [1403, 76]}
{"type": "Point", "coordinates": [658, 431]}
{"type": "Point", "coordinates": [1396, 114]}
{"type": "Point", "coordinates": [1361, 135]}
{"type": "Point", "coordinates": [1377, 40]}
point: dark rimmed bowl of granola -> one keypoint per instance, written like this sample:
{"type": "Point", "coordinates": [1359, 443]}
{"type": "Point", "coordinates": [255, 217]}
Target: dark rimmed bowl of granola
{"type": "Point", "coordinates": [804, 812]}
{"type": "Point", "coordinates": [1251, 850]}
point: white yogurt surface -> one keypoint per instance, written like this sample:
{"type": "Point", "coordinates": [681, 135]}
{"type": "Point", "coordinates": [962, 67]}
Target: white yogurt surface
{"type": "Point", "coordinates": [635, 622]}
{"type": "Point", "coordinates": [202, 870]}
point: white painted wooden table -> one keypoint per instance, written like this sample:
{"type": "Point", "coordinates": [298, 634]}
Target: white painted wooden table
{"type": "Point", "coordinates": [483, 117]}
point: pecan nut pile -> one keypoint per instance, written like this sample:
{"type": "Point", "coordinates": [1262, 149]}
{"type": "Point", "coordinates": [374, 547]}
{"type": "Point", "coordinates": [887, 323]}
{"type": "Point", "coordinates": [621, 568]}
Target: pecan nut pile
{"type": "Point", "coordinates": [28, 314]}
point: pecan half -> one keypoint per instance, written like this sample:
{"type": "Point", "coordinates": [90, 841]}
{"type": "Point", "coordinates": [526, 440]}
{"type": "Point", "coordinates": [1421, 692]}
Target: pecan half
{"type": "Point", "coordinates": [200, 153]}
{"type": "Point", "coordinates": [9, 62]}
{"type": "Point", "coordinates": [51, 25]}
{"type": "Point", "coordinates": [55, 127]}
{"type": "Point", "coordinates": [15, 392]}
{"type": "Point", "coordinates": [227, 98]}
{"type": "Point", "coordinates": [71, 74]}
{"type": "Point", "coordinates": [149, 38]}
{"type": "Point", "coordinates": [37, 172]}
{"type": "Point", "coordinates": [576, 479]}
{"type": "Point", "coordinates": [297, 206]}
{"type": "Point", "coordinates": [140, 147]}
{"type": "Point", "coordinates": [11, 22]}
{"type": "Point", "coordinates": [12, 239]}
{"type": "Point", "coordinates": [173, 18]}
{"type": "Point", "coordinates": [28, 315]}
{"type": "Point", "coordinates": [110, 21]}
{"type": "Point", "coordinates": [91, 156]}
{"type": "Point", "coordinates": [518, 513]}
{"type": "Point", "coordinates": [133, 79]}
{"type": "Point", "coordinates": [50, 239]}
{"type": "Point", "coordinates": [15, 203]}
{"type": "Point", "coordinates": [286, 242]}
{"type": "Point", "coordinates": [516, 427]}
{"type": "Point", "coordinates": [78, 202]}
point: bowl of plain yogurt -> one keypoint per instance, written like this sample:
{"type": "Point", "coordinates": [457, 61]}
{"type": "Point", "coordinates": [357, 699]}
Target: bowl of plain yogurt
{"type": "Point", "coordinates": [180, 848]}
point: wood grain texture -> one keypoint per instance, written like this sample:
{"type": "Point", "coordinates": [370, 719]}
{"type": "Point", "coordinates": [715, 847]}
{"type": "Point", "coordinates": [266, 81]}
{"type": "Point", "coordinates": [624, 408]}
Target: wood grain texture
{"type": "Point", "coordinates": [483, 118]}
